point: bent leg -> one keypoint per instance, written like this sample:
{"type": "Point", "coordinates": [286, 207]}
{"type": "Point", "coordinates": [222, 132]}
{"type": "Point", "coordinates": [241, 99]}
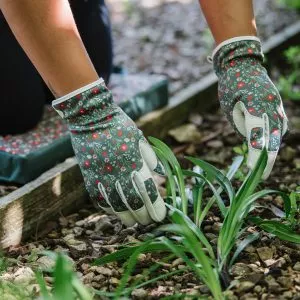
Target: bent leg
{"type": "Point", "coordinates": [47, 32]}
{"type": "Point", "coordinates": [22, 97]}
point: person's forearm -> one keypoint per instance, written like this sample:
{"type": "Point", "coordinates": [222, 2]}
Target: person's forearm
{"type": "Point", "coordinates": [47, 32]}
{"type": "Point", "coordinates": [229, 18]}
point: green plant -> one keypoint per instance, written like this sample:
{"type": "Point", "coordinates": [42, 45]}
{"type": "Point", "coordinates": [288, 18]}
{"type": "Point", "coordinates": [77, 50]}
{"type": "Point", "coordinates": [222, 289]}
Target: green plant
{"type": "Point", "coordinates": [289, 85]}
{"type": "Point", "coordinates": [290, 3]}
{"type": "Point", "coordinates": [188, 208]}
{"type": "Point", "coordinates": [66, 286]}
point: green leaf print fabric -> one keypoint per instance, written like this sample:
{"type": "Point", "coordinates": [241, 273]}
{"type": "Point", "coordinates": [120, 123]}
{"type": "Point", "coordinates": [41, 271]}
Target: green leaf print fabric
{"type": "Point", "coordinates": [249, 98]}
{"type": "Point", "coordinates": [114, 157]}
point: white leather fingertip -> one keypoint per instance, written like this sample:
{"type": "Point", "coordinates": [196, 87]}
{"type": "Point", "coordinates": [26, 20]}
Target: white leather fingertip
{"type": "Point", "coordinates": [253, 157]}
{"type": "Point", "coordinates": [148, 154]}
{"type": "Point", "coordinates": [160, 209]}
{"type": "Point", "coordinates": [271, 161]}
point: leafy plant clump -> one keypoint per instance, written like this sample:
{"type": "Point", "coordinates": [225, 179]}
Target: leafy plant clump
{"type": "Point", "coordinates": [289, 85]}
{"type": "Point", "coordinates": [191, 195]}
{"type": "Point", "coordinates": [188, 208]}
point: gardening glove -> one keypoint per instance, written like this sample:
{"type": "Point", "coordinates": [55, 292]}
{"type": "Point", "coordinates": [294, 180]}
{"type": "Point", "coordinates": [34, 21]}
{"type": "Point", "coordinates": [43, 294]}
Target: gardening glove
{"type": "Point", "coordinates": [114, 157]}
{"type": "Point", "coordinates": [249, 98]}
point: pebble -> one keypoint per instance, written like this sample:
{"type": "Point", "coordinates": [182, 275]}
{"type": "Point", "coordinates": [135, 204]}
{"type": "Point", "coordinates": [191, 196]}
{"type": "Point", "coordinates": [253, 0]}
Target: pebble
{"type": "Point", "coordinates": [240, 269]}
{"type": "Point", "coordinates": [46, 262]}
{"type": "Point", "coordinates": [24, 275]}
{"type": "Point", "coordinates": [245, 286]}
{"type": "Point", "coordinates": [265, 253]}
{"type": "Point", "coordinates": [296, 267]}
{"type": "Point", "coordinates": [139, 293]}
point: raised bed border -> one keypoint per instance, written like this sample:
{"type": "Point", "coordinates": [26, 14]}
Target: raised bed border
{"type": "Point", "coordinates": [61, 189]}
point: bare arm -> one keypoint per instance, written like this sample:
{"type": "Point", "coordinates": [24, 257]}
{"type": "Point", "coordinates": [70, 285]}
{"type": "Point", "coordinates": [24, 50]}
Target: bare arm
{"type": "Point", "coordinates": [47, 32]}
{"type": "Point", "coordinates": [229, 18]}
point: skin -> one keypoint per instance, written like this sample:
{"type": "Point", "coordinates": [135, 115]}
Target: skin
{"type": "Point", "coordinates": [229, 18]}
{"type": "Point", "coordinates": [47, 32]}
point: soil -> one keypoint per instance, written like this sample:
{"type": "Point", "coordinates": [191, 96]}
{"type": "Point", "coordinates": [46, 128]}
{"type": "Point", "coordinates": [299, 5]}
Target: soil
{"type": "Point", "coordinates": [172, 38]}
{"type": "Point", "coordinates": [267, 269]}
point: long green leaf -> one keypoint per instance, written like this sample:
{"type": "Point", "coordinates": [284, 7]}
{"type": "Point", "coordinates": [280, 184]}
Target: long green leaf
{"type": "Point", "coordinates": [213, 189]}
{"type": "Point", "coordinates": [123, 254]}
{"type": "Point", "coordinates": [198, 233]}
{"type": "Point", "coordinates": [282, 231]}
{"type": "Point", "coordinates": [167, 152]}
{"type": "Point", "coordinates": [216, 174]}
{"type": "Point", "coordinates": [63, 279]}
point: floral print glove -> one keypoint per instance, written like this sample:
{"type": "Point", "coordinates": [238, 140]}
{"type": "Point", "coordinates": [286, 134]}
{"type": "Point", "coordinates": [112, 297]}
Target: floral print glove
{"type": "Point", "coordinates": [249, 98]}
{"type": "Point", "coordinates": [114, 157]}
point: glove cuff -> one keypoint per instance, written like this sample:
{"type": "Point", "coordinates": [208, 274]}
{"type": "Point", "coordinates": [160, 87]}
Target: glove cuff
{"type": "Point", "coordinates": [85, 104]}
{"type": "Point", "coordinates": [235, 50]}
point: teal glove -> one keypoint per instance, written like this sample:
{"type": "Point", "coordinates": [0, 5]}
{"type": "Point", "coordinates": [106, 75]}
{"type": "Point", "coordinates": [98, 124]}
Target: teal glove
{"type": "Point", "coordinates": [248, 97]}
{"type": "Point", "coordinates": [114, 157]}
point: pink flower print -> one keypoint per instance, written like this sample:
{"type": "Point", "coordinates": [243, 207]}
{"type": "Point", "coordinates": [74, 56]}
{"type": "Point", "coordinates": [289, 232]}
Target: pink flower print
{"type": "Point", "coordinates": [124, 147]}
{"type": "Point", "coordinates": [270, 97]}
{"type": "Point", "coordinates": [275, 131]}
{"type": "Point", "coordinates": [95, 135]}
{"type": "Point", "coordinates": [250, 51]}
{"type": "Point", "coordinates": [108, 168]}
{"type": "Point", "coordinates": [87, 164]}
{"type": "Point", "coordinates": [241, 84]}
{"type": "Point", "coordinates": [133, 165]}
{"type": "Point", "coordinates": [96, 91]}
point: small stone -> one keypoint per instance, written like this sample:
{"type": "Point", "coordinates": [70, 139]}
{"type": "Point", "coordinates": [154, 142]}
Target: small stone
{"type": "Point", "coordinates": [186, 133]}
{"type": "Point", "coordinates": [88, 278]}
{"type": "Point", "coordinates": [63, 221]}
{"type": "Point", "coordinates": [139, 293]}
{"type": "Point", "coordinates": [265, 253]}
{"type": "Point", "coordinates": [240, 269]}
{"type": "Point", "coordinates": [216, 227]}
{"type": "Point", "coordinates": [78, 231]}
{"type": "Point", "coordinates": [245, 286]}
{"type": "Point", "coordinates": [177, 262]}
{"type": "Point", "coordinates": [257, 289]}
{"type": "Point", "coordinates": [80, 223]}
{"type": "Point", "coordinates": [287, 295]}
{"type": "Point", "coordinates": [102, 270]}
{"type": "Point", "coordinates": [286, 282]}
{"type": "Point", "coordinates": [180, 267]}
{"type": "Point", "coordinates": [296, 267]}
{"type": "Point", "coordinates": [288, 153]}
{"type": "Point", "coordinates": [248, 296]}
{"type": "Point", "coordinates": [46, 262]}
{"type": "Point", "coordinates": [215, 144]}
{"type": "Point", "coordinates": [114, 281]}
{"type": "Point", "coordinates": [24, 275]}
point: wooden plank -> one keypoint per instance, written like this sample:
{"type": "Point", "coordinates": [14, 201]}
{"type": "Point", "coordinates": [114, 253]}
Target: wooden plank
{"type": "Point", "coordinates": [25, 210]}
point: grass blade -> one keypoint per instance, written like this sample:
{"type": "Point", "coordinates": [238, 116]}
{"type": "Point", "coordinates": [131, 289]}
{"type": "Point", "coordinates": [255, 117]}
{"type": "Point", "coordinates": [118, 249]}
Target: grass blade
{"type": "Point", "coordinates": [282, 231]}
{"type": "Point", "coordinates": [169, 155]}
{"type": "Point", "coordinates": [216, 174]}
{"type": "Point", "coordinates": [63, 279]}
